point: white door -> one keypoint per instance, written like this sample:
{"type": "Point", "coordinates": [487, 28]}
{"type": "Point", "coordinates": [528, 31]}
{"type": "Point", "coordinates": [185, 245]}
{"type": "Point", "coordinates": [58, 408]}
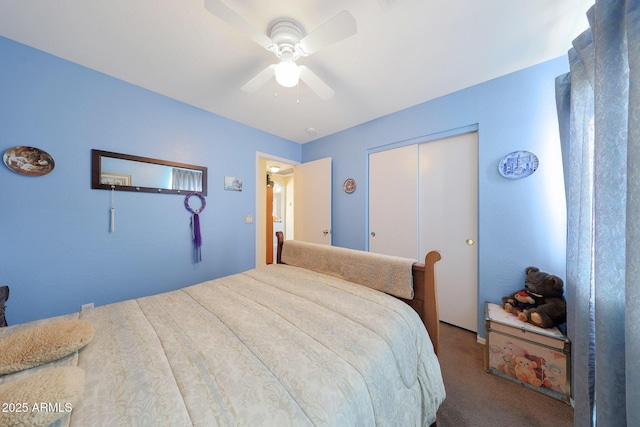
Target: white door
{"type": "Point", "coordinates": [393, 191]}
{"type": "Point", "coordinates": [312, 201]}
{"type": "Point", "coordinates": [448, 207]}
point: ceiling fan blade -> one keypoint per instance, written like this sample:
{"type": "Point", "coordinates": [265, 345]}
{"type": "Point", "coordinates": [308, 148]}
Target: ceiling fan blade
{"type": "Point", "coordinates": [339, 27]}
{"type": "Point", "coordinates": [315, 83]}
{"type": "Point", "coordinates": [259, 79]}
{"type": "Point", "coordinates": [231, 17]}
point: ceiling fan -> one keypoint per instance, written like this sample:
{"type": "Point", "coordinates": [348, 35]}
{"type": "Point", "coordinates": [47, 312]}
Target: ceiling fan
{"type": "Point", "coordinates": [288, 41]}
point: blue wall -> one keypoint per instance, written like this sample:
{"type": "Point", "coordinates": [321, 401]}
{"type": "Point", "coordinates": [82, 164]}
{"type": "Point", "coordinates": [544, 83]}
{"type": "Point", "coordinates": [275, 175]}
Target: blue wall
{"type": "Point", "coordinates": [56, 251]}
{"type": "Point", "coordinates": [521, 222]}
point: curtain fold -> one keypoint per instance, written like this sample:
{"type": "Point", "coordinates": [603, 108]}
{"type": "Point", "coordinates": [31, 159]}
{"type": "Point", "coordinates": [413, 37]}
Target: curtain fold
{"type": "Point", "coordinates": [632, 329]}
{"type": "Point", "coordinates": [599, 116]}
{"type": "Point", "coordinates": [185, 179]}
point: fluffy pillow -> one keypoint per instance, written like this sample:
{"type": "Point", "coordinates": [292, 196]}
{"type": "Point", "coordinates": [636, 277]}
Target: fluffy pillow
{"type": "Point", "coordinates": [42, 344]}
{"type": "Point", "coordinates": [42, 398]}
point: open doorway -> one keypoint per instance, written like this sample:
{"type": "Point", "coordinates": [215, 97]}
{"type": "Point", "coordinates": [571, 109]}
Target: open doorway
{"type": "Point", "coordinates": [280, 204]}
{"type": "Point", "coordinates": [274, 204]}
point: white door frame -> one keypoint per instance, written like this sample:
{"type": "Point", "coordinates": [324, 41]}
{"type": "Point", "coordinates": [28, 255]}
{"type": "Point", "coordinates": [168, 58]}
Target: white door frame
{"type": "Point", "coordinates": [260, 203]}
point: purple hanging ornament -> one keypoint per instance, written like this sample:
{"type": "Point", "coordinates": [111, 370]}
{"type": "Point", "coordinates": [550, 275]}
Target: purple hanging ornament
{"type": "Point", "coordinates": [195, 225]}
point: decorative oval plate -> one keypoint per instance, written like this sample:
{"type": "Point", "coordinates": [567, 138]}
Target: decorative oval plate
{"type": "Point", "coordinates": [519, 164]}
{"type": "Point", "coordinates": [28, 161]}
{"type": "Point", "coordinates": [349, 185]}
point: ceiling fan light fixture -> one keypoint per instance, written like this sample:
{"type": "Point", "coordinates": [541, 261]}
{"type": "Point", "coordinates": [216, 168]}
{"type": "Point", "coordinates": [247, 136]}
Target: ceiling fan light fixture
{"type": "Point", "coordinates": [287, 74]}
{"type": "Point", "coordinates": [288, 40]}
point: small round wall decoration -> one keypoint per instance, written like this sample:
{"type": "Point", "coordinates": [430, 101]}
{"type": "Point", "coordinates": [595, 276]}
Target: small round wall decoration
{"type": "Point", "coordinates": [519, 164]}
{"type": "Point", "coordinates": [203, 203]}
{"type": "Point", "coordinates": [28, 161]}
{"type": "Point", "coordinates": [349, 185]}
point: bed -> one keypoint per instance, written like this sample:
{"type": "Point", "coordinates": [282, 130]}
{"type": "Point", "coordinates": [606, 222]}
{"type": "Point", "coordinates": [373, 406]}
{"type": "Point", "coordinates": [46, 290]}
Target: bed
{"type": "Point", "coordinates": [280, 345]}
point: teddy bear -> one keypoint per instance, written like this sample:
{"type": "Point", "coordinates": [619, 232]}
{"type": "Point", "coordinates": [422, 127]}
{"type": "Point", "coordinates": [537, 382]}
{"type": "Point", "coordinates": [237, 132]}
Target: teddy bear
{"type": "Point", "coordinates": [541, 302]}
{"type": "Point", "coordinates": [525, 300]}
{"type": "Point", "coordinates": [525, 371]}
{"type": "Point", "coordinates": [507, 365]}
{"type": "Point", "coordinates": [555, 378]}
{"type": "Point", "coordinates": [539, 368]}
{"type": "Point", "coordinates": [508, 353]}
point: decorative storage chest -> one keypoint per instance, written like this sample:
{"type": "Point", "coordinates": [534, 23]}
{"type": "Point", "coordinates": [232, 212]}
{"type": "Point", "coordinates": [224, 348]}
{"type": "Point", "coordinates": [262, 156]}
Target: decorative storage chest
{"type": "Point", "coordinates": [535, 357]}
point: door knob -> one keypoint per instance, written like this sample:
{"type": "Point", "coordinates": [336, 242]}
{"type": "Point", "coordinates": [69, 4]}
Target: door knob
{"type": "Point", "coordinates": [373, 234]}
{"type": "Point", "coordinates": [325, 231]}
{"type": "Point", "coordinates": [470, 242]}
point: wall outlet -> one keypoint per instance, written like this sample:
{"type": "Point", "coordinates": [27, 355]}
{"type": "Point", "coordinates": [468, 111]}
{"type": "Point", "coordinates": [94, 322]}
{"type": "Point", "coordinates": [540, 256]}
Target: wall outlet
{"type": "Point", "coordinates": [84, 307]}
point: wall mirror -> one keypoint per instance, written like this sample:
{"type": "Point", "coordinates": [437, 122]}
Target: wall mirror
{"type": "Point", "coordinates": [124, 172]}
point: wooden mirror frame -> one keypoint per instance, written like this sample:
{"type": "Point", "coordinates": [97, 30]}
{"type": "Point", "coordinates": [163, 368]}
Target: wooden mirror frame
{"type": "Point", "coordinates": [96, 172]}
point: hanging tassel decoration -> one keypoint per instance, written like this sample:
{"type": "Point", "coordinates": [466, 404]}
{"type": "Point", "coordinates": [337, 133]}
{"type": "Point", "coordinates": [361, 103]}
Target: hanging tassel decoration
{"type": "Point", "coordinates": [113, 209]}
{"type": "Point", "coordinates": [196, 234]}
{"type": "Point", "coordinates": [197, 237]}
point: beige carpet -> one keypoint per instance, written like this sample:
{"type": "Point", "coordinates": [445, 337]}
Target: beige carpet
{"type": "Point", "coordinates": [477, 398]}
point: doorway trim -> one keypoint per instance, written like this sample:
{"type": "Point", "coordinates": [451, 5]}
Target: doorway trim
{"type": "Point", "coordinates": [260, 202]}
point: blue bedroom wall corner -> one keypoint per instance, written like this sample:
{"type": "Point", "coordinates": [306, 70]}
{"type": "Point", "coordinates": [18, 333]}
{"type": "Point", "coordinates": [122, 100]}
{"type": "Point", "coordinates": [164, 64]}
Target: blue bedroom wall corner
{"type": "Point", "coordinates": [56, 251]}
{"type": "Point", "coordinates": [520, 222]}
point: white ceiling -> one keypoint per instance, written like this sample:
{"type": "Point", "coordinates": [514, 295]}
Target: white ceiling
{"type": "Point", "coordinates": [405, 51]}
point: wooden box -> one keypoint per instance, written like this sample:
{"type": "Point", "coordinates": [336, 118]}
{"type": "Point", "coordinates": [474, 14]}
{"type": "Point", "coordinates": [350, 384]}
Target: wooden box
{"type": "Point", "coordinates": [535, 357]}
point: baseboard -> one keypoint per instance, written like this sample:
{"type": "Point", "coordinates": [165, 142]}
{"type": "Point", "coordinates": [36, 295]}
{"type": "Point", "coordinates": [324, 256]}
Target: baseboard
{"type": "Point", "coordinates": [480, 340]}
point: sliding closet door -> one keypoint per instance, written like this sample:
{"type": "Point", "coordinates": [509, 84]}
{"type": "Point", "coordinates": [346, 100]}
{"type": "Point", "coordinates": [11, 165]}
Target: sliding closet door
{"type": "Point", "coordinates": [393, 186]}
{"type": "Point", "coordinates": [448, 215]}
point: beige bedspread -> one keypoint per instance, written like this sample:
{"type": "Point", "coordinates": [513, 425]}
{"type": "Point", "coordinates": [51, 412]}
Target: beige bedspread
{"type": "Point", "coordinates": [274, 346]}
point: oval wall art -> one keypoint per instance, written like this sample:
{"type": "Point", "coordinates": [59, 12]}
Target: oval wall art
{"type": "Point", "coordinates": [28, 161]}
{"type": "Point", "coordinates": [519, 164]}
{"type": "Point", "coordinates": [349, 185]}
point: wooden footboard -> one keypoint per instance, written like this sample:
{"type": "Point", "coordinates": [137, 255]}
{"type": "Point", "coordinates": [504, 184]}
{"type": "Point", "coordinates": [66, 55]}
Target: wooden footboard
{"type": "Point", "coordinates": [425, 299]}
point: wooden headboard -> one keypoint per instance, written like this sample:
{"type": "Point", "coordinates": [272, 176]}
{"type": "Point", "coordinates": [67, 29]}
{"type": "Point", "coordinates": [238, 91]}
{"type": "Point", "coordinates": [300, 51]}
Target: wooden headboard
{"type": "Point", "coordinates": [425, 299]}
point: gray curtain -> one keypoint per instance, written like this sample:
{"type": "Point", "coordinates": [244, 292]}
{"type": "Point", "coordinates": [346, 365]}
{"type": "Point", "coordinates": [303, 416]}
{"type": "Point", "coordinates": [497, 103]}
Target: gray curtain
{"type": "Point", "coordinates": [599, 114]}
{"type": "Point", "coordinates": [185, 179]}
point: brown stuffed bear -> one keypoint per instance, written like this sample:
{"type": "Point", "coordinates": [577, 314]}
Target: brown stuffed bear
{"type": "Point", "coordinates": [541, 302]}
{"type": "Point", "coordinates": [526, 371]}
